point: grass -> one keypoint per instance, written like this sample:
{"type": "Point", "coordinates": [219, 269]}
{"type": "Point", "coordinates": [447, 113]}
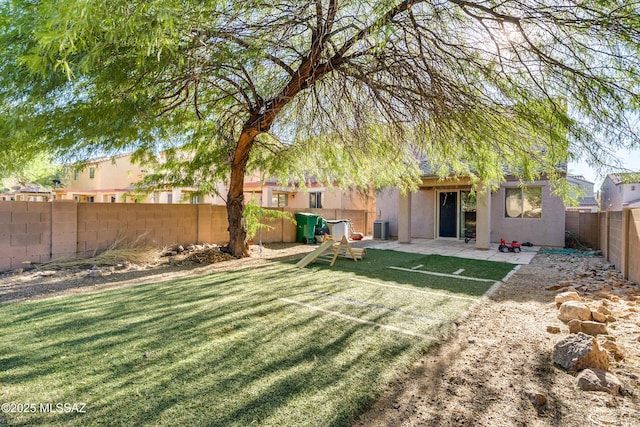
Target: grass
{"type": "Point", "coordinates": [231, 348]}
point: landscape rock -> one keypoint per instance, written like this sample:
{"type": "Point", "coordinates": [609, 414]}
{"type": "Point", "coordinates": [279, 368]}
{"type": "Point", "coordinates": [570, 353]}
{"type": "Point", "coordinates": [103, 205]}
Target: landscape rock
{"type": "Point", "coordinates": [604, 310]}
{"type": "Point", "coordinates": [588, 327]}
{"type": "Point", "coordinates": [567, 296]}
{"type": "Point", "coordinates": [537, 399]}
{"type": "Point", "coordinates": [553, 329]}
{"type": "Point", "coordinates": [574, 326]}
{"type": "Point", "coordinates": [598, 317]}
{"type": "Point", "coordinates": [599, 380]}
{"type": "Point", "coordinates": [580, 351]}
{"type": "Point", "coordinates": [593, 328]}
{"type": "Point", "coordinates": [613, 349]}
{"type": "Point", "coordinates": [574, 310]}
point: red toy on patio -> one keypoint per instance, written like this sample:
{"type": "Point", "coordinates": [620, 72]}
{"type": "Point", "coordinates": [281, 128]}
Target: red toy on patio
{"type": "Point", "coordinates": [513, 247]}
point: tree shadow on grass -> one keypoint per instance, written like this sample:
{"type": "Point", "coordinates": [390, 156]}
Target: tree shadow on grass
{"type": "Point", "coordinates": [215, 350]}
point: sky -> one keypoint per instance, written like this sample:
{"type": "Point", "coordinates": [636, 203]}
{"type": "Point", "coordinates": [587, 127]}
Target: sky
{"type": "Point", "coordinates": [630, 159]}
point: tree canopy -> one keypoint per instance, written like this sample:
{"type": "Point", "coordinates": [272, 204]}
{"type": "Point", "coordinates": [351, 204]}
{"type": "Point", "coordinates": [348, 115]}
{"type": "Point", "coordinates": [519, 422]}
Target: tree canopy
{"type": "Point", "coordinates": [355, 92]}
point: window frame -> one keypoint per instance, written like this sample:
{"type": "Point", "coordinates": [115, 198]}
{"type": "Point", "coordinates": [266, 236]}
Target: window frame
{"type": "Point", "coordinates": [524, 201]}
{"type": "Point", "coordinates": [315, 200]}
{"type": "Point", "coordinates": [281, 200]}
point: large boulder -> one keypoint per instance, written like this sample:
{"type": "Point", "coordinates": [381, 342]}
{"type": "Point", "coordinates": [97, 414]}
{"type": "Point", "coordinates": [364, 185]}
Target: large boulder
{"type": "Point", "coordinates": [574, 310]}
{"type": "Point", "coordinates": [580, 351]}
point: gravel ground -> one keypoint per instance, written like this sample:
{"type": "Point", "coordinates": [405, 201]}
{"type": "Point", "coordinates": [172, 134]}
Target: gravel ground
{"type": "Point", "coordinates": [499, 362]}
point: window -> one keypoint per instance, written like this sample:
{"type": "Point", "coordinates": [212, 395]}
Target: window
{"type": "Point", "coordinates": [76, 174]}
{"type": "Point", "coordinates": [195, 199]}
{"type": "Point", "coordinates": [315, 200]}
{"type": "Point", "coordinates": [92, 173]}
{"type": "Point", "coordinates": [523, 202]}
{"type": "Point", "coordinates": [279, 200]}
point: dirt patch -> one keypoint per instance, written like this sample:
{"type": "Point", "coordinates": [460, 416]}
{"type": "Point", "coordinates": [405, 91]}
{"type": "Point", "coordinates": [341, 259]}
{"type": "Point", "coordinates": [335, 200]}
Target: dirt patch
{"type": "Point", "coordinates": [44, 281]}
{"type": "Point", "coordinates": [497, 370]}
{"type": "Point", "coordinates": [497, 367]}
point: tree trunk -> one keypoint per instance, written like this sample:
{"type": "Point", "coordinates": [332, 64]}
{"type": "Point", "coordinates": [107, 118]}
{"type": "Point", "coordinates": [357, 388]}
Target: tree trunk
{"type": "Point", "coordinates": [235, 197]}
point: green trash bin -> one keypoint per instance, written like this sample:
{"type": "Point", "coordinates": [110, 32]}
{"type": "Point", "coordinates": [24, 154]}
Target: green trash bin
{"type": "Point", "coordinates": [306, 227]}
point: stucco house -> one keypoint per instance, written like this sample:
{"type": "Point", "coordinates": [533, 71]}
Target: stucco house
{"type": "Point", "coordinates": [112, 180]}
{"type": "Point", "coordinates": [313, 195]}
{"type": "Point", "coordinates": [619, 191]}
{"type": "Point", "coordinates": [585, 197]}
{"type": "Point", "coordinates": [29, 193]}
{"type": "Point", "coordinates": [448, 209]}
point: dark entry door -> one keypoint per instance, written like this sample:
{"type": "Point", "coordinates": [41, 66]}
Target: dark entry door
{"type": "Point", "coordinates": [448, 213]}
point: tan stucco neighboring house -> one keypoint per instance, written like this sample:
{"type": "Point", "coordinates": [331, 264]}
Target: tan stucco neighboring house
{"type": "Point", "coordinates": [311, 195]}
{"type": "Point", "coordinates": [619, 191]}
{"type": "Point", "coordinates": [29, 193]}
{"type": "Point", "coordinates": [107, 180]}
{"type": "Point", "coordinates": [112, 180]}
{"type": "Point", "coordinates": [448, 209]}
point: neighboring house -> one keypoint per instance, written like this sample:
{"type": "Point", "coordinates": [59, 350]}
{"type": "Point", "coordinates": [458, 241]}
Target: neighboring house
{"type": "Point", "coordinates": [586, 199]}
{"type": "Point", "coordinates": [112, 180]}
{"type": "Point", "coordinates": [448, 209]}
{"type": "Point", "coordinates": [30, 193]}
{"type": "Point", "coordinates": [313, 195]}
{"type": "Point", "coordinates": [617, 192]}
{"type": "Point", "coordinates": [12, 189]}
{"type": "Point", "coordinates": [107, 180]}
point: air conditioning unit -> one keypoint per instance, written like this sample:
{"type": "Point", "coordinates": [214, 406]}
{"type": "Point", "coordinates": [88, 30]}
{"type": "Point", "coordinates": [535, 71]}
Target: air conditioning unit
{"type": "Point", "coordinates": [381, 230]}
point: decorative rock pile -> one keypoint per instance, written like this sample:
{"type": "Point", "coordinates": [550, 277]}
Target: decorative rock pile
{"type": "Point", "coordinates": [590, 349]}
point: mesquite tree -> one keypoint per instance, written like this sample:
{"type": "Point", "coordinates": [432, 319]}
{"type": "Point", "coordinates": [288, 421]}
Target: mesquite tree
{"type": "Point", "coordinates": [354, 92]}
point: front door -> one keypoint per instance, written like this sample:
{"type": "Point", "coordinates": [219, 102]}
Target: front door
{"type": "Point", "coordinates": [448, 217]}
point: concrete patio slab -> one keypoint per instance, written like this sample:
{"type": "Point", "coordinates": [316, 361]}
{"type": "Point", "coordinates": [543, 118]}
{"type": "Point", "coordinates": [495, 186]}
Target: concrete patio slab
{"type": "Point", "coordinates": [457, 248]}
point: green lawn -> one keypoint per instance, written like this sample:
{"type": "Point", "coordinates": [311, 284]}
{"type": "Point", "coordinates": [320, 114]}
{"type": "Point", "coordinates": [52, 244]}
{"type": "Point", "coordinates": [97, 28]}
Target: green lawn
{"type": "Point", "coordinates": [275, 345]}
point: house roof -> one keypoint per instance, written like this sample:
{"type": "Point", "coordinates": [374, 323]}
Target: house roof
{"type": "Point", "coordinates": [623, 178]}
{"type": "Point", "coordinates": [427, 169]}
{"type": "Point", "coordinates": [588, 201]}
{"type": "Point", "coordinates": [632, 203]}
{"type": "Point", "coordinates": [579, 178]}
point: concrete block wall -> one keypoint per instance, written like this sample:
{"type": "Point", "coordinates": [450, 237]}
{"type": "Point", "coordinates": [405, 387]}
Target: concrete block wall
{"type": "Point", "coordinates": [633, 255]}
{"type": "Point", "coordinates": [586, 226]}
{"type": "Point", "coordinates": [604, 233]}
{"type": "Point", "coordinates": [100, 225]}
{"type": "Point", "coordinates": [25, 233]}
{"type": "Point", "coordinates": [39, 232]}
{"type": "Point", "coordinates": [615, 240]}
{"type": "Point", "coordinates": [619, 239]}
{"type": "Point", "coordinates": [212, 224]}
{"type": "Point", "coordinates": [64, 235]}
